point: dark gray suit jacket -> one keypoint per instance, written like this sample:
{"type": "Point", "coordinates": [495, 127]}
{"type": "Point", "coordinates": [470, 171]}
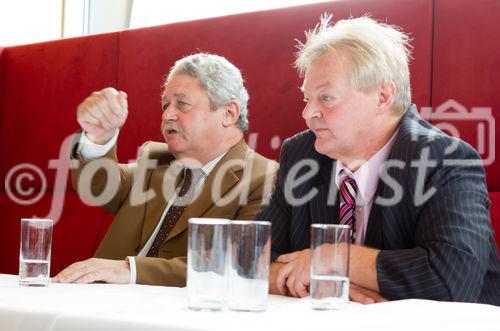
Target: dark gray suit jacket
{"type": "Point", "coordinates": [437, 247]}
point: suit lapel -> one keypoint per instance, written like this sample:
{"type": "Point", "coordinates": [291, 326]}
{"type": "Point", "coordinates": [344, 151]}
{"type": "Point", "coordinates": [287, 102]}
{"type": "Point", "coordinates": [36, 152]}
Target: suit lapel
{"type": "Point", "coordinates": [324, 206]}
{"type": "Point", "coordinates": [378, 218]}
{"type": "Point", "coordinates": [236, 157]}
{"type": "Point", "coordinates": [374, 230]}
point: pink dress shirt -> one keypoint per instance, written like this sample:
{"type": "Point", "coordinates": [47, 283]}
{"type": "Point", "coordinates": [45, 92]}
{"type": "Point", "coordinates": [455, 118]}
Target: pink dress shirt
{"type": "Point", "coordinates": [366, 178]}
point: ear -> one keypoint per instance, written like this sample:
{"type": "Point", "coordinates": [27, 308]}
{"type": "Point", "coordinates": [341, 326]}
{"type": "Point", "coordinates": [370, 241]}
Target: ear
{"type": "Point", "coordinates": [231, 114]}
{"type": "Point", "coordinates": [386, 95]}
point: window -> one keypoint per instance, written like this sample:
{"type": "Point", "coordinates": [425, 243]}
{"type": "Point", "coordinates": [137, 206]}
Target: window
{"type": "Point", "coordinates": [155, 12]}
{"type": "Point", "coordinates": [29, 21]}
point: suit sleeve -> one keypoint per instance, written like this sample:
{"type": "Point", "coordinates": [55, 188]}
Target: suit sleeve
{"type": "Point", "coordinates": [104, 179]}
{"type": "Point", "coordinates": [278, 212]}
{"type": "Point", "coordinates": [452, 238]}
{"type": "Point", "coordinates": [262, 188]}
{"type": "Point", "coordinates": [164, 272]}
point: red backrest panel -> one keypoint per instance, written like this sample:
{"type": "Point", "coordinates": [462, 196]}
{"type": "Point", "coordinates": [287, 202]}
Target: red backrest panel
{"type": "Point", "coordinates": [466, 69]}
{"type": "Point", "coordinates": [41, 86]}
{"type": "Point", "coordinates": [262, 45]}
{"type": "Point", "coordinates": [75, 235]}
{"type": "Point", "coordinates": [1, 67]}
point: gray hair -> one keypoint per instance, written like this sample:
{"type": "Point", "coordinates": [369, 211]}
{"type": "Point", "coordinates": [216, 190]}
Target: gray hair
{"type": "Point", "coordinates": [220, 78]}
{"type": "Point", "coordinates": [376, 53]}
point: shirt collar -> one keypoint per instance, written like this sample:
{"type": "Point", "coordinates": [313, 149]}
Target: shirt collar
{"type": "Point", "coordinates": [208, 167]}
{"type": "Point", "coordinates": [367, 175]}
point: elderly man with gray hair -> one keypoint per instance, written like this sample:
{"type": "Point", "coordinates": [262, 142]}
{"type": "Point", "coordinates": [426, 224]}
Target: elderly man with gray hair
{"type": "Point", "coordinates": [415, 198]}
{"type": "Point", "coordinates": [204, 169]}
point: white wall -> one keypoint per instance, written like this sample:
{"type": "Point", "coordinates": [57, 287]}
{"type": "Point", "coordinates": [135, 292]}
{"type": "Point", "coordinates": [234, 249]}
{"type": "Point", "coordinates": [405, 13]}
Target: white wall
{"type": "Point", "coordinates": [28, 21]}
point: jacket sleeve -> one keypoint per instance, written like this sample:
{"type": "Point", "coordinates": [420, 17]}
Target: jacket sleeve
{"type": "Point", "coordinates": [452, 236]}
{"type": "Point", "coordinates": [103, 182]}
{"type": "Point", "coordinates": [261, 189]}
{"type": "Point", "coordinates": [158, 271]}
{"type": "Point", "coordinates": [278, 212]}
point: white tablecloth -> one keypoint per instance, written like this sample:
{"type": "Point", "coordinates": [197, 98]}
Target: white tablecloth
{"type": "Point", "coordinates": [137, 307]}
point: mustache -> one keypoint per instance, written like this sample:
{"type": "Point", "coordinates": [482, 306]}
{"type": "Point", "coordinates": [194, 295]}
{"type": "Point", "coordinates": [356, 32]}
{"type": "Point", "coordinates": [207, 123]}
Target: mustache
{"type": "Point", "coordinates": [171, 127]}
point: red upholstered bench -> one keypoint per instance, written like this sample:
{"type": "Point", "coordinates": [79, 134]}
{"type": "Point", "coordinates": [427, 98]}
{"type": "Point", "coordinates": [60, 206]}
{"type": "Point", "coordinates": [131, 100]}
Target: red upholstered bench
{"type": "Point", "coordinates": [41, 85]}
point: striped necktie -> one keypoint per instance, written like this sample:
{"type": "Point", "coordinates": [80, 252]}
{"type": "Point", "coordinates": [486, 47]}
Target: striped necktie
{"type": "Point", "coordinates": [348, 191]}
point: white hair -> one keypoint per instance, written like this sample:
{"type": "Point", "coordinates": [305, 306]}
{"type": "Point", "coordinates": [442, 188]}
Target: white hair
{"type": "Point", "coordinates": [219, 77]}
{"type": "Point", "coordinates": [376, 53]}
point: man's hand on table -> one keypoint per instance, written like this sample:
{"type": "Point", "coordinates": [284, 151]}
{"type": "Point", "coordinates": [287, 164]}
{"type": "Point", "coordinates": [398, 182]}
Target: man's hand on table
{"type": "Point", "coordinates": [291, 275]}
{"type": "Point", "coordinates": [95, 270]}
{"type": "Point", "coordinates": [364, 295]}
{"type": "Point", "coordinates": [295, 276]}
{"type": "Point", "coordinates": [274, 270]}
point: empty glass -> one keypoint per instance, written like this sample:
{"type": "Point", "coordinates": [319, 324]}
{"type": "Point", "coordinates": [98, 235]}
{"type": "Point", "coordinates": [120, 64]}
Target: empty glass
{"type": "Point", "coordinates": [250, 254]}
{"type": "Point", "coordinates": [207, 263]}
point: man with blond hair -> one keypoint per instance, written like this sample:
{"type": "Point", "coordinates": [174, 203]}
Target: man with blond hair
{"type": "Point", "coordinates": [204, 169]}
{"type": "Point", "coordinates": [415, 198]}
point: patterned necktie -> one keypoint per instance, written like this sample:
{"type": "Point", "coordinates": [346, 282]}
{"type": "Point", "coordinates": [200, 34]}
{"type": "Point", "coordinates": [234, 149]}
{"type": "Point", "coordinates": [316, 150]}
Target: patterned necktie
{"type": "Point", "coordinates": [175, 211]}
{"type": "Point", "coordinates": [347, 215]}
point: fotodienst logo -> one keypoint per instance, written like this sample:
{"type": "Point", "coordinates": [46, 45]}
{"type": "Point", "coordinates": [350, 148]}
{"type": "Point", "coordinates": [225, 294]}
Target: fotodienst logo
{"type": "Point", "coordinates": [26, 183]}
{"type": "Point", "coordinates": [475, 125]}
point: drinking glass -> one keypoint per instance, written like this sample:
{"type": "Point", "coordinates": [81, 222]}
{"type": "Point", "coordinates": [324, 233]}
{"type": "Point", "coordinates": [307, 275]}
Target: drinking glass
{"type": "Point", "coordinates": [330, 244]}
{"type": "Point", "coordinates": [34, 252]}
{"type": "Point", "coordinates": [207, 263]}
{"type": "Point", "coordinates": [250, 255]}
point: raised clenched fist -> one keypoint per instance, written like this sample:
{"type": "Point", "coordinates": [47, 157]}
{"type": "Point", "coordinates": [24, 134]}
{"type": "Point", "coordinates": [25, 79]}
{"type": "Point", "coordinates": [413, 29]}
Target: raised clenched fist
{"type": "Point", "coordinates": [102, 113]}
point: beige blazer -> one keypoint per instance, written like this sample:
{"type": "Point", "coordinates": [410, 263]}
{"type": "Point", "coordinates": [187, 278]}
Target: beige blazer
{"type": "Point", "coordinates": [142, 195]}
